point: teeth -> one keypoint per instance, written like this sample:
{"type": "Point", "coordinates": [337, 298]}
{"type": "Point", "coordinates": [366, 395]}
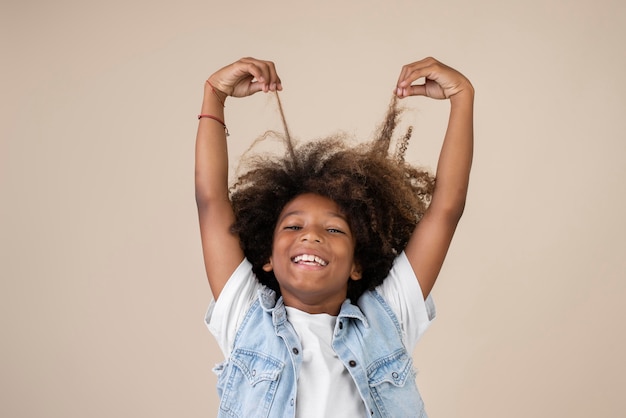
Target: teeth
{"type": "Point", "coordinates": [308, 258]}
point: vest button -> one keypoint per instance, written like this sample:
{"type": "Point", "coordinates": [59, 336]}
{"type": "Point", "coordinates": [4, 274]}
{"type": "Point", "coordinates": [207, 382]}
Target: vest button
{"type": "Point", "coordinates": [352, 363]}
{"type": "Point", "coordinates": [394, 375]}
{"type": "Point", "coordinates": [295, 351]}
{"type": "Point", "coordinates": [340, 325]}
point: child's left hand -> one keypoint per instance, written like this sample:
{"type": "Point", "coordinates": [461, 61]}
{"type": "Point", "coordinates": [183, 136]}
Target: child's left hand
{"type": "Point", "coordinates": [441, 81]}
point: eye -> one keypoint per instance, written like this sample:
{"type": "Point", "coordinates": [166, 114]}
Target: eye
{"type": "Point", "coordinates": [292, 228]}
{"type": "Point", "coordinates": [335, 231]}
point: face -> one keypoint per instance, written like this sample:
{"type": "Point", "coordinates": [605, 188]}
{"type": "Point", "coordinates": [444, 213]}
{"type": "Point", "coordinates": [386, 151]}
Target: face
{"type": "Point", "coordinates": [313, 254]}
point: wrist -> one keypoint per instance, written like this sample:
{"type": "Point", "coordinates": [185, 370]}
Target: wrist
{"type": "Point", "coordinates": [210, 105]}
{"type": "Point", "coordinates": [466, 95]}
{"type": "Point", "coordinates": [210, 91]}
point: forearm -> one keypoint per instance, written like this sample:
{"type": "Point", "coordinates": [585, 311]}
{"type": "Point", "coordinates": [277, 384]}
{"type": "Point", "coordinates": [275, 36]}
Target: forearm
{"type": "Point", "coordinates": [455, 159]}
{"type": "Point", "coordinates": [211, 165]}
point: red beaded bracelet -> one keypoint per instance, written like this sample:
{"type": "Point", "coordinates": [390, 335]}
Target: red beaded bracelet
{"type": "Point", "coordinates": [215, 118]}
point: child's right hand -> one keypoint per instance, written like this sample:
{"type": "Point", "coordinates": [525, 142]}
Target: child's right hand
{"type": "Point", "coordinates": [246, 77]}
{"type": "Point", "coordinates": [440, 81]}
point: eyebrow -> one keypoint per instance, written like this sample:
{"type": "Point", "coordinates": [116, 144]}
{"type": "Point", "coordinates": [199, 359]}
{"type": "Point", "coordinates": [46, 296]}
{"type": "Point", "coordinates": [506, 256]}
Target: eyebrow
{"type": "Point", "coordinates": [300, 212]}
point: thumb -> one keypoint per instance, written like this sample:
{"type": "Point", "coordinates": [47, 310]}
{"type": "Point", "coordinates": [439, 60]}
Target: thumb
{"type": "Point", "coordinates": [417, 90]}
{"type": "Point", "coordinates": [246, 87]}
{"type": "Point", "coordinates": [412, 90]}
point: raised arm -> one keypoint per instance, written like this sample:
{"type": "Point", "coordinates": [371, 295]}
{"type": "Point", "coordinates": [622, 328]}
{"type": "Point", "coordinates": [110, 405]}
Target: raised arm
{"type": "Point", "coordinates": [431, 239]}
{"type": "Point", "coordinates": [220, 247]}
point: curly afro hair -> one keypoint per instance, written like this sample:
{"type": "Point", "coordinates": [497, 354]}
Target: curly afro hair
{"type": "Point", "coordinates": [382, 197]}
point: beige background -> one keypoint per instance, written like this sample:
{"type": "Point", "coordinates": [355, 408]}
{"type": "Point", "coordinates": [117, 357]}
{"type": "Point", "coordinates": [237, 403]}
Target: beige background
{"type": "Point", "coordinates": [102, 286]}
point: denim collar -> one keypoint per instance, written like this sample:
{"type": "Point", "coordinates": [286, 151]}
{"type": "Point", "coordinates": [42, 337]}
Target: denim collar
{"type": "Point", "coordinates": [276, 307]}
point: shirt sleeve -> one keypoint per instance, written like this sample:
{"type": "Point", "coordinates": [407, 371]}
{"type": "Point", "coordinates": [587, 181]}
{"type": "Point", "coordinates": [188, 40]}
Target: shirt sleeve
{"type": "Point", "coordinates": [402, 292]}
{"type": "Point", "coordinates": [224, 316]}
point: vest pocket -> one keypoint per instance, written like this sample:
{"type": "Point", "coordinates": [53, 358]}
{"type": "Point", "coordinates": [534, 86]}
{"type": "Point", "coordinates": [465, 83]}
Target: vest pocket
{"type": "Point", "coordinates": [393, 388]}
{"type": "Point", "coordinates": [394, 369]}
{"type": "Point", "coordinates": [248, 383]}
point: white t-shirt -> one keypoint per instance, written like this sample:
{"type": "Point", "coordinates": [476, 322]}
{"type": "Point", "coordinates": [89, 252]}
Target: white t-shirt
{"type": "Point", "coordinates": [325, 387]}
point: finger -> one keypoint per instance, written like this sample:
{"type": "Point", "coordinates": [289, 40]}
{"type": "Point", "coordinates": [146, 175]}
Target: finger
{"type": "Point", "coordinates": [252, 75]}
{"type": "Point", "coordinates": [255, 68]}
{"type": "Point", "coordinates": [406, 87]}
{"type": "Point", "coordinates": [254, 87]}
{"type": "Point", "coordinates": [407, 74]}
{"type": "Point", "coordinates": [425, 70]}
{"type": "Point", "coordinates": [265, 74]}
{"type": "Point", "coordinates": [402, 76]}
{"type": "Point", "coordinates": [417, 90]}
{"type": "Point", "coordinates": [273, 81]}
{"type": "Point", "coordinates": [412, 90]}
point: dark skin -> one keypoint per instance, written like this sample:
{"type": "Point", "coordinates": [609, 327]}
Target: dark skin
{"type": "Point", "coordinates": [429, 242]}
{"type": "Point", "coordinates": [313, 254]}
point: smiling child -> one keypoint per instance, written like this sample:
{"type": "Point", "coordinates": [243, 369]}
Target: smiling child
{"type": "Point", "coordinates": [321, 262]}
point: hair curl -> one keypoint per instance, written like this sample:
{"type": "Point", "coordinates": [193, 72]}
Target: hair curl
{"type": "Point", "coordinates": [382, 197]}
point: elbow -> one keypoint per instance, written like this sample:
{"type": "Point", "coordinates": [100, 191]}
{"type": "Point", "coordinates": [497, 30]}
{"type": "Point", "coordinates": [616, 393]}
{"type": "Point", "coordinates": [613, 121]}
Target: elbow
{"type": "Point", "coordinates": [206, 199]}
{"type": "Point", "coordinates": [451, 209]}
{"type": "Point", "coordinates": [457, 212]}
{"type": "Point", "coordinates": [212, 203]}
{"type": "Point", "coordinates": [202, 195]}
{"type": "Point", "coordinates": [202, 200]}
{"type": "Point", "coordinates": [207, 192]}
{"type": "Point", "coordinates": [454, 213]}
{"type": "Point", "coordinates": [457, 204]}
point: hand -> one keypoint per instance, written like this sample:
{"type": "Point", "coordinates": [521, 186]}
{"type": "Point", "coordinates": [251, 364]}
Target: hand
{"type": "Point", "coordinates": [246, 77]}
{"type": "Point", "coordinates": [441, 81]}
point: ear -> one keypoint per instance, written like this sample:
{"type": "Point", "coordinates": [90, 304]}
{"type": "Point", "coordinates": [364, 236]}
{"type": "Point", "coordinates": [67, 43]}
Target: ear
{"type": "Point", "coordinates": [356, 273]}
{"type": "Point", "coordinates": [267, 267]}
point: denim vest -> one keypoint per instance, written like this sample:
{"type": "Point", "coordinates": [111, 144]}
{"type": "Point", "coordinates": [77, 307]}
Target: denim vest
{"type": "Point", "coordinates": [259, 378]}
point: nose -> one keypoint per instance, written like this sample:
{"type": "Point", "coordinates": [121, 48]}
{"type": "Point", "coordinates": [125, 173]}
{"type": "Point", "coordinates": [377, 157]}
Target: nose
{"type": "Point", "coordinates": [311, 235]}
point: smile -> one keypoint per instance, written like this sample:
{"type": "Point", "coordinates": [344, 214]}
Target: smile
{"type": "Point", "coordinates": [308, 259]}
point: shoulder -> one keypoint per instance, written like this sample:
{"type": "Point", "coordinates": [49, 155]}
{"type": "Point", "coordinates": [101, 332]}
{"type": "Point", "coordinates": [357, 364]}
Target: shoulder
{"type": "Point", "coordinates": [225, 315]}
{"type": "Point", "coordinates": [401, 281]}
{"type": "Point", "coordinates": [402, 294]}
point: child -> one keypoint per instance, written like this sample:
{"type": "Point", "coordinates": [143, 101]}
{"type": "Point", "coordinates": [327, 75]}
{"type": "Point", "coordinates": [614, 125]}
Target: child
{"type": "Point", "coordinates": [321, 262]}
